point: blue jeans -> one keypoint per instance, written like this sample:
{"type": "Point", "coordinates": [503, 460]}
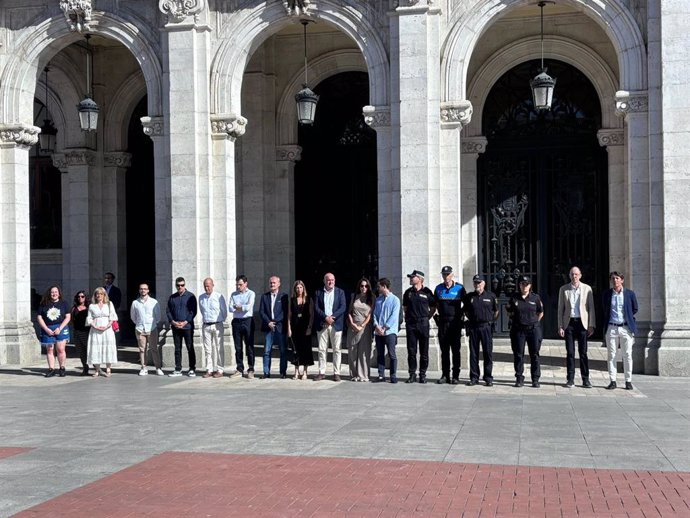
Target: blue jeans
{"type": "Point", "coordinates": [279, 340]}
{"type": "Point", "coordinates": [382, 343]}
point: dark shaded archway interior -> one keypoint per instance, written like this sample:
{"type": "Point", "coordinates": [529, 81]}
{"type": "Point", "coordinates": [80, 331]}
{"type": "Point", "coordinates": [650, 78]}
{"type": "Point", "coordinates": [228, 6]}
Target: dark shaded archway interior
{"type": "Point", "coordinates": [336, 215]}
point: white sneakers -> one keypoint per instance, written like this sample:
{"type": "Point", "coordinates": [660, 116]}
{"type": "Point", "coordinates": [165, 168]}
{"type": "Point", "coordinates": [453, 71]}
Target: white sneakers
{"type": "Point", "coordinates": [175, 374]}
{"type": "Point", "coordinates": [191, 374]}
{"type": "Point", "coordinates": [143, 372]}
{"type": "Point", "coordinates": [160, 372]}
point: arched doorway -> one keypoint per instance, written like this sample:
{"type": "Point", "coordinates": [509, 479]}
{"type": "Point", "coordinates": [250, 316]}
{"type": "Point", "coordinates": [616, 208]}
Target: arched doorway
{"type": "Point", "coordinates": [336, 229]}
{"type": "Point", "coordinates": [542, 187]}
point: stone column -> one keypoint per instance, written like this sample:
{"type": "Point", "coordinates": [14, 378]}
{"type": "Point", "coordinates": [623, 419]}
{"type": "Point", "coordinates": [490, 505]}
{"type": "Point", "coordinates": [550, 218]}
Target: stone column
{"type": "Point", "coordinates": [284, 249]}
{"type": "Point", "coordinates": [82, 225]}
{"type": "Point", "coordinates": [471, 148]}
{"type": "Point", "coordinates": [415, 120]}
{"type": "Point", "coordinates": [115, 165]}
{"type": "Point", "coordinates": [619, 199]}
{"type": "Point", "coordinates": [18, 343]}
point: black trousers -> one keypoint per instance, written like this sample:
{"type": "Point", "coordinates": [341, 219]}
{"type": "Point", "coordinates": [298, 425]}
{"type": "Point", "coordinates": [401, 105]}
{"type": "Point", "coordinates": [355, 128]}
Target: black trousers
{"type": "Point", "coordinates": [418, 335]}
{"type": "Point", "coordinates": [449, 342]}
{"type": "Point", "coordinates": [576, 332]}
{"type": "Point", "coordinates": [518, 338]}
{"type": "Point", "coordinates": [243, 329]}
{"type": "Point", "coordinates": [186, 334]}
{"type": "Point", "coordinates": [81, 339]}
{"type": "Point", "coordinates": [481, 334]}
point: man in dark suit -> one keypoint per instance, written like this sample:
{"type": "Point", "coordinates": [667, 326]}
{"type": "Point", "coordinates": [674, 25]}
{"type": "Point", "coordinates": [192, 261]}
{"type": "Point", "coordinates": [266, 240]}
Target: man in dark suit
{"type": "Point", "coordinates": [114, 293]}
{"type": "Point", "coordinates": [274, 318]}
{"type": "Point", "coordinates": [620, 307]}
{"type": "Point", "coordinates": [329, 319]}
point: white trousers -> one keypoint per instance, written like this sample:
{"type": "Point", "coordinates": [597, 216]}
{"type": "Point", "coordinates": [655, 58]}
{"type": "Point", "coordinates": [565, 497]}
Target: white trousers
{"type": "Point", "coordinates": [619, 336]}
{"type": "Point", "coordinates": [328, 336]}
{"type": "Point", "coordinates": [212, 338]}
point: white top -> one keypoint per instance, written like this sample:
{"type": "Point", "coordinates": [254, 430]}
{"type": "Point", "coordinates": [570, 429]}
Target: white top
{"type": "Point", "coordinates": [328, 298]}
{"type": "Point", "coordinates": [244, 299]}
{"type": "Point", "coordinates": [573, 295]}
{"type": "Point", "coordinates": [213, 308]}
{"type": "Point", "coordinates": [145, 315]}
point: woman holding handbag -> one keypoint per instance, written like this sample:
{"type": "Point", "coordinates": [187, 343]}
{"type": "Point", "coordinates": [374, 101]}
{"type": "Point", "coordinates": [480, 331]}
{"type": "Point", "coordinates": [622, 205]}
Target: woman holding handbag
{"type": "Point", "coordinates": [101, 347]}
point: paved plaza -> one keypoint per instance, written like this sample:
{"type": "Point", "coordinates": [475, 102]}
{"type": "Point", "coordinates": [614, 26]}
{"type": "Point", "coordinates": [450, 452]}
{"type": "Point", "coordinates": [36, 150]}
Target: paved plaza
{"type": "Point", "coordinates": [160, 446]}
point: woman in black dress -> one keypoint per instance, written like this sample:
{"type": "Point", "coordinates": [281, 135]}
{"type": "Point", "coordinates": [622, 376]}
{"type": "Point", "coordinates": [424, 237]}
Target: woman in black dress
{"type": "Point", "coordinates": [299, 328]}
{"type": "Point", "coordinates": [81, 331]}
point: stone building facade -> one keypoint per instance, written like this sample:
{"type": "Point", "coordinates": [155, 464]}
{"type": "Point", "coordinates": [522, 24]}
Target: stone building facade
{"type": "Point", "coordinates": [195, 167]}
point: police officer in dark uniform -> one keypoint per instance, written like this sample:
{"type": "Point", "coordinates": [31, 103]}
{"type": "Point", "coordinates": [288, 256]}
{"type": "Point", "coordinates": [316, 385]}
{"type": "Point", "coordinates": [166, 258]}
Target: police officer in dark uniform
{"type": "Point", "coordinates": [526, 310]}
{"type": "Point", "coordinates": [481, 309]}
{"type": "Point", "coordinates": [419, 306]}
{"type": "Point", "coordinates": [449, 295]}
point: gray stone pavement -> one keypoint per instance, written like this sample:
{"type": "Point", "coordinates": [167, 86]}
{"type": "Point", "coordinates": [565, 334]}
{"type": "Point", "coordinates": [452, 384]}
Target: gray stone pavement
{"type": "Point", "coordinates": [83, 429]}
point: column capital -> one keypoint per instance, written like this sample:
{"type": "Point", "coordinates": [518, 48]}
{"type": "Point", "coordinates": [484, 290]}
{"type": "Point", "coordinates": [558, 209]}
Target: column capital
{"type": "Point", "coordinates": [178, 11]}
{"type": "Point", "coordinates": [289, 153]}
{"type": "Point", "coordinates": [117, 159]}
{"type": "Point", "coordinates": [77, 14]}
{"type": "Point", "coordinates": [377, 116]}
{"type": "Point", "coordinates": [227, 126]}
{"type": "Point", "coordinates": [611, 137]}
{"type": "Point", "coordinates": [473, 145]}
{"type": "Point", "coordinates": [631, 102]}
{"type": "Point", "coordinates": [74, 157]}
{"type": "Point", "coordinates": [456, 113]}
{"type": "Point", "coordinates": [20, 135]}
{"type": "Point", "coordinates": [153, 126]}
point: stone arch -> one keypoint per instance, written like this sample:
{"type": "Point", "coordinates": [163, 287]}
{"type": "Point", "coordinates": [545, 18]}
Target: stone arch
{"type": "Point", "coordinates": [320, 68]}
{"type": "Point", "coordinates": [613, 17]}
{"type": "Point", "coordinates": [574, 53]}
{"type": "Point", "coordinates": [120, 110]}
{"type": "Point", "coordinates": [252, 27]}
{"type": "Point", "coordinates": [35, 48]}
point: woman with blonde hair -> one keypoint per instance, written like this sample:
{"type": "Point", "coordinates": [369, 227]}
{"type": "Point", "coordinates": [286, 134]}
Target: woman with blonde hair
{"type": "Point", "coordinates": [101, 346]}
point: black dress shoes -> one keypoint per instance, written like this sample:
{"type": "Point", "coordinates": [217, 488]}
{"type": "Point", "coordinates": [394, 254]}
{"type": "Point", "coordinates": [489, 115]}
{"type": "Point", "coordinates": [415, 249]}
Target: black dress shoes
{"type": "Point", "coordinates": [455, 381]}
{"type": "Point", "coordinates": [586, 383]}
{"type": "Point", "coordinates": [472, 382]}
{"type": "Point", "coordinates": [412, 378]}
{"type": "Point", "coordinates": [611, 386]}
{"type": "Point", "coordinates": [422, 378]}
{"type": "Point", "coordinates": [535, 384]}
{"type": "Point", "coordinates": [519, 383]}
{"type": "Point", "coordinates": [442, 381]}
{"type": "Point", "coordinates": [50, 373]}
{"type": "Point", "coordinates": [628, 385]}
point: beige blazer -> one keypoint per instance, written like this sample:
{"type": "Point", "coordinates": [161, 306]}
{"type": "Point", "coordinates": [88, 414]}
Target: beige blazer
{"type": "Point", "coordinates": [586, 306]}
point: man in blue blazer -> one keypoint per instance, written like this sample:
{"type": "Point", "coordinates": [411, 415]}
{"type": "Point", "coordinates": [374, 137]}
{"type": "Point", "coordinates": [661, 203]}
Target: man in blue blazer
{"type": "Point", "coordinates": [620, 307]}
{"type": "Point", "coordinates": [329, 319]}
{"type": "Point", "coordinates": [274, 318]}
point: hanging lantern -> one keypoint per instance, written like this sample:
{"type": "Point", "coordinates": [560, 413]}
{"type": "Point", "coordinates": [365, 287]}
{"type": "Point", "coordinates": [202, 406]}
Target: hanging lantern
{"type": "Point", "coordinates": [543, 84]}
{"type": "Point", "coordinates": [305, 98]}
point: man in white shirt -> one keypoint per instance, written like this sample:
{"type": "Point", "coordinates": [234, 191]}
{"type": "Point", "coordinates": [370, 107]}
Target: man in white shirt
{"type": "Point", "coordinates": [214, 311]}
{"type": "Point", "coordinates": [145, 312]}
{"type": "Point", "coordinates": [576, 322]}
{"type": "Point", "coordinates": [242, 308]}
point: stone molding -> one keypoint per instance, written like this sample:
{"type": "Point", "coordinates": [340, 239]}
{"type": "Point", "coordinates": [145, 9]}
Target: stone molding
{"type": "Point", "coordinates": [74, 158]}
{"type": "Point", "coordinates": [473, 145]}
{"type": "Point", "coordinates": [228, 125]}
{"type": "Point", "coordinates": [297, 7]}
{"type": "Point", "coordinates": [458, 113]}
{"type": "Point", "coordinates": [178, 11]}
{"type": "Point", "coordinates": [415, 6]}
{"type": "Point", "coordinates": [117, 159]}
{"type": "Point", "coordinates": [631, 102]}
{"type": "Point", "coordinates": [290, 153]}
{"type": "Point", "coordinates": [77, 13]}
{"type": "Point", "coordinates": [22, 135]}
{"type": "Point", "coordinates": [153, 126]}
{"type": "Point", "coordinates": [377, 116]}
{"type": "Point", "coordinates": [611, 137]}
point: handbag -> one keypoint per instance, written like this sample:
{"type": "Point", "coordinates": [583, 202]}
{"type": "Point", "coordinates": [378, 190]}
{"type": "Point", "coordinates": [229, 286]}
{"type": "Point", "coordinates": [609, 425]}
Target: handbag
{"type": "Point", "coordinates": [116, 326]}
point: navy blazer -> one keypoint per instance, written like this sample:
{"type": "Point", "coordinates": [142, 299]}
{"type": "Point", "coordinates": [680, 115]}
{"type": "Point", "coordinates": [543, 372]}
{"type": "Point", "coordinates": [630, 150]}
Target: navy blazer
{"type": "Point", "coordinates": [280, 312]}
{"type": "Point", "coordinates": [629, 308]}
{"type": "Point", "coordinates": [339, 309]}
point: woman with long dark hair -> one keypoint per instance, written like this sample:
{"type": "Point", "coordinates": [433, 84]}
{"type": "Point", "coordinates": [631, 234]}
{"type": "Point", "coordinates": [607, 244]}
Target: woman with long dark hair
{"type": "Point", "coordinates": [80, 330]}
{"type": "Point", "coordinates": [53, 319]}
{"type": "Point", "coordinates": [361, 331]}
{"type": "Point", "coordinates": [299, 328]}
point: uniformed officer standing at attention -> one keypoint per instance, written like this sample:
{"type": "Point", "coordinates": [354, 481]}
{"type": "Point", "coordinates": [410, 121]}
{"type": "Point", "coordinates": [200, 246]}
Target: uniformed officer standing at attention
{"type": "Point", "coordinates": [419, 306]}
{"type": "Point", "coordinates": [526, 310]}
{"type": "Point", "coordinates": [481, 309]}
{"type": "Point", "coordinates": [449, 295]}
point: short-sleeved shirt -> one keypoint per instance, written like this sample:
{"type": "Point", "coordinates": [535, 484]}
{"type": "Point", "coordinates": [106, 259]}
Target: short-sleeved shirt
{"type": "Point", "coordinates": [480, 308]}
{"type": "Point", "coordinates": [53, 312]}
{"type": "Point", "coordinates": [525, 311]}
{"type": "Point", "coordinates": [419, 305]}
{"type": "Point", "coordinates": [449, 301]}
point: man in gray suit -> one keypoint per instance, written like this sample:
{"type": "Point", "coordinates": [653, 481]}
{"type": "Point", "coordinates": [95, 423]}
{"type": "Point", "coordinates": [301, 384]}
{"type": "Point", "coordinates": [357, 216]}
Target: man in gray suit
{"type": "Point", "coordinates": [576, 322]}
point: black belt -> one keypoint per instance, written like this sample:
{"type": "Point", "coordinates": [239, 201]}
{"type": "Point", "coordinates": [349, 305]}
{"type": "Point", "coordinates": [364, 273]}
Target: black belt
{"type": "Point", "coordinates": [242, 318]}
{"type": "Point", "coordinates": [212, 323]}
{"type": "Point", "coordinates": [576, 319]}
{"type": "Point", "coordinates": [618, 325]}
{"type": "Point", "coordinates": [525, 328]}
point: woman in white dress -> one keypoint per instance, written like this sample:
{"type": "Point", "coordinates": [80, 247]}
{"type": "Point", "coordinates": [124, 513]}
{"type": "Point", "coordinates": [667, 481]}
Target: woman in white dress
{"type": "Point", "coordinates": [101, 347]}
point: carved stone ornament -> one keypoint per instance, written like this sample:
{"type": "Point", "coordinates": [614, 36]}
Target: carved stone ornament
{"type": "Point", "coordinates": [73, 158]}
{"type": "Point", "coordinates": [77, 14]}
{"type": "Point", "coordinates": [291, 153]}
{"type": "Point", "coordinates": [178, 10]}
{"type": "Point", "coordinates": [631, 102]}
{"type": "Point", "coordinates": [473, 145]}
{"type": "Point", "coordinates": [228, 126]}
{"type": "Point", "coordinates": [611, 137]}
{"type": "Point", "coordinates": [117, 159]}
{"type": "Point", "coordinates": [456, 113]}
{"type": "Point", "coordinates": [153, 126]}
{"type": "Point", "coordinates": [296, 7]}
{"type": "Point", "coordinates": [19, 134]}
{"type": "Point", "coordinates": [412, 3]}
{"type": "Point", "coordinates": [377, 116]}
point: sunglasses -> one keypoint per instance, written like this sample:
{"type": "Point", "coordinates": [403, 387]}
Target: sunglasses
{"type": "Point", "coordinates": [180, 285]}
{"type": "Point", "coordinates": [81, 296]}
{"type": "Point", "coordinates": [363, 285]}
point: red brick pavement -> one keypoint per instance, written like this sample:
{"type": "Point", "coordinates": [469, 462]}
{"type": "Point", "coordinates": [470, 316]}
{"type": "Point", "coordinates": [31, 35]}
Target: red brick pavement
{"type": "Point", "coordinates": [207, 484]}
{"type": "Point", "coordinates": [8, 452]}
